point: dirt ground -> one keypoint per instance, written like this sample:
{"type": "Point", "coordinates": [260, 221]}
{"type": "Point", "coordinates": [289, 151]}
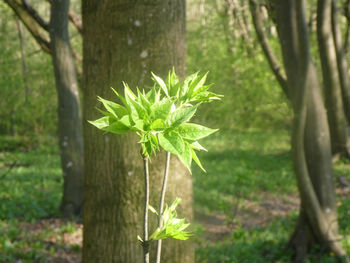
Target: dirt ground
{"type": "Point", "coordinates": [246, 214]}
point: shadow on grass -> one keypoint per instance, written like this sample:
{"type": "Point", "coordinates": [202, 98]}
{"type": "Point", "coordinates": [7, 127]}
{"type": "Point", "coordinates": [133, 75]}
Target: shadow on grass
{"type": "Point", "coordinates": [236, 173]}
{"type": "Point", "coordinates": [33, 191]}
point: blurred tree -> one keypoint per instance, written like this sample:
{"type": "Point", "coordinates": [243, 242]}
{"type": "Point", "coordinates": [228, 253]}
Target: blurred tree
{"type": "Point", "coordinates": [69, 111]}
{"type": "Point", "coordinates": [311, 151]}
{"type": "Point", "coordinates": [123, 41]}
{"type": "Point", "coordinates": [336, 82]}
{"type": "Point", "coordinates": [53, 37]}
{"type": "Point", "coordinates": [333, 79]}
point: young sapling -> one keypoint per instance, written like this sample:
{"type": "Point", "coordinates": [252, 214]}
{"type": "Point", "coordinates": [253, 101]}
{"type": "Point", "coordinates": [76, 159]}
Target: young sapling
{"type": "Point", "coordinates": [160, 117]}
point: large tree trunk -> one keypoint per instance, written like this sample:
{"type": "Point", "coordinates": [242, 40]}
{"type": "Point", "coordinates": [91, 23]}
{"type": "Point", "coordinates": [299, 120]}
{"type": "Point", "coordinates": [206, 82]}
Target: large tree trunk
{"type": "Point", "coordinates": [317, 222]}
{"type": "Point", "coordinates": [123, 41]}
{"type": "Point", "coordinates": [333, 93]}
{"type": "Point", "coordinates": [69, 116]}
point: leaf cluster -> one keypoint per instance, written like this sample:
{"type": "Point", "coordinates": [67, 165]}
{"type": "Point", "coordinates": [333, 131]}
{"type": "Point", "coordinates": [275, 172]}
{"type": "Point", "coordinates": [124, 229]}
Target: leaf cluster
{"type": "Point", "coordinates": [160, 116]}
{"type": "Point", "coordinates": [172, 227]}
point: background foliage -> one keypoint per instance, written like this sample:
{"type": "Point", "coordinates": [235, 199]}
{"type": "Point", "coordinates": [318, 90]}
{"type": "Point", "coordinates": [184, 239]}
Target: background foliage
{"type": "Point", "coordinates": [248, 164]}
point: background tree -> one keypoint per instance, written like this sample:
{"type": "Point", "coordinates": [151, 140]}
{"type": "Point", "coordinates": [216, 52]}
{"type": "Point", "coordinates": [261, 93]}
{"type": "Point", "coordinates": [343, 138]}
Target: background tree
{"type": "Point", "coordinates": [317, 224]}
{"type": "Point", "coordinates": [53, 37]}
{"type": "Point", "coordinates": [124, 41]}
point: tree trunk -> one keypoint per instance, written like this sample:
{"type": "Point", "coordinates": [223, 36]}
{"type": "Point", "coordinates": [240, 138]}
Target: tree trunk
{"type": "Point", "coordinates": [317, 222]}
{"type": "Point", "coordinates": [333, 95]}
{"type": "Point", "coordinates": [23, 59]}
{"type": "Point", "coordinates": [123, 41]}
{"type": "Point", "coordinates": [341, 62]}
{"type": "Point", "coordinates": [69, 116]}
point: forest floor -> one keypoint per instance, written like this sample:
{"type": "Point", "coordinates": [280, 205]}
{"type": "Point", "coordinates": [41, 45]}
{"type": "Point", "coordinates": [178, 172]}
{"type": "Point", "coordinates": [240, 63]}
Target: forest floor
{"type": "Point", "coordinates": [245, 206]}
{"type": "Point", "coordinates": [62, 240]}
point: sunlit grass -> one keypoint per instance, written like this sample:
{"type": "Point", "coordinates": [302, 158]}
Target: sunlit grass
{"type": "Point", "coordinates": [241, 165]}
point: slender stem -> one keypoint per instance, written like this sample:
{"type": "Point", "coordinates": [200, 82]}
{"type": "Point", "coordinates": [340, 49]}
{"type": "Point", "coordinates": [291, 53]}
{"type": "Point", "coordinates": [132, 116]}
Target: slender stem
{"type": "Point", "coordinates": [145, 218]}
{"type": "Point", "coordinates": [161, 205]}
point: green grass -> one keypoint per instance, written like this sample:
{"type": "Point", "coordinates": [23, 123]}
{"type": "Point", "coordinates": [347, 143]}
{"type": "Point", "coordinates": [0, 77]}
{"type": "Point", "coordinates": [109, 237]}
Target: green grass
{"type": "Point", "coordinates": [241, 165]}
{"type": "Point", "coordinates": [32, 189]}
{"type": "Point", "coordinates": [249, 165]}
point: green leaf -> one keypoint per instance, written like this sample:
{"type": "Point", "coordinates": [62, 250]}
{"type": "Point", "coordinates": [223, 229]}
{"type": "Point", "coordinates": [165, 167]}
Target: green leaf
{"type": "Point", "coordinates": [196, 146]}
{"type": "Point", "coordinates": [117, 110]}
{"type": "Point", "coordinates": [196, 84]}
{"type": "Point", "coordinates": [143, 101]}
{"type": "Point", "coordinates": [149, 143]}
{"type": "Point", "coordinates": [101, 123]}
{"type": "Point", "coordinates": [152, 209]}
{"type": "Point", "coordinates": [173, 83]}
{"type": "Point", "coordinates": [196, 159]}
{"type": "Point", "coordinates": [161, 83]}
{"type": "Point", "coordinates": [171, 142]}
{"type": "Point", "coordinates": [153, 95]}
{"type": "Point", "coordinates": [137, 111]}
{"type": "Point", "coordinates": [185, 84]}
{"type": "Point", "coordinates": [139, 125]}
{"type": "Point", "coordinates": [173, 227]}
{"type": "Point", "coordinates": [121, 98]}
{"type": "Point", "coordinates": [158, 125]}
{"type": "Point", "coordinates": [161, 109]}
{"type": "Point", "coordinates": [126, 120]}
{"type": "Point", "coordinates": [129, 95]}
{"type": "Point", "coordinates": [193, 132]}
{"type": "Point", "coordinates": [206, 96]}
{"type": "Point", "coordinates": [154, 141]}
{"type": "Point", "coordinates": [117, 128]}
{"type": "Point", "coordinates": [182, 115]}
{"type": "Point", "coordinates": [186, 157]}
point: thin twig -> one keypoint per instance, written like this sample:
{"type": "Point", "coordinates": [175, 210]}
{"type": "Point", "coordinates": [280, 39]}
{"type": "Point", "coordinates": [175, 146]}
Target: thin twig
{"type": "Point", "coordinates": [161, 204]}
{"type": "Point", "coordinates": [145, 225]}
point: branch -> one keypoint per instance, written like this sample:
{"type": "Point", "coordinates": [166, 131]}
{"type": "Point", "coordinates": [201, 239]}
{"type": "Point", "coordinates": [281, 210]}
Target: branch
{"type": "Point", "coordinates": [35, 15]}
{"type": "Point", "coordinates": [38, 30]}
{"type": "Point", "coordinates": [75, 19]}
{"type": "Point", "coordinates": [264, 43]}
{"type": "Point", "coordinates": [145, 218]}
{"type": "Point", "coordinates": [161, 204]}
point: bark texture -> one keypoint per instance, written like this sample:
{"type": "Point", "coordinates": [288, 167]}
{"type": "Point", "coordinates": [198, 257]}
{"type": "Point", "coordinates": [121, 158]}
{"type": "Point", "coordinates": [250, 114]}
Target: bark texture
{"type": "Point", "coordinates": [123, 41]}
{"type": "Point", "coordinates": [69, 114]}
{"type": "Point", "coordinates": [311, 150]}
{"type": "Point", "coordinates": [332, 82]}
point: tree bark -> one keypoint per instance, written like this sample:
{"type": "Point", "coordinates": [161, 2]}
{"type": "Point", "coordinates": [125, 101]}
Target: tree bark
{"type": "Point", "coordinates": [341, 62]}
{"type": "Point", "coordinates": [123, 41]}
{"type": "Point", "coordinates": [333, 95]}
{"type": "Point", "coordinates": [23, 59]}
{"type": "Point", "coordinates": [311, 150]}
{"type": "Point", "coordinates": [69, 116]}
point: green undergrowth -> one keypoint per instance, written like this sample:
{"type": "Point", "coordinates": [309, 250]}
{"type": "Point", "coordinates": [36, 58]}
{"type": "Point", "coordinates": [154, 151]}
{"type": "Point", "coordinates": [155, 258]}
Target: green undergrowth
{"type": "Point", "coordinates": [30, 190]}
{"type": "Point", "coordinates": [30, 183]}
{"type": "Point", "coordinates": [241, 165]}
{"type": "Point", "coordinates": [252, 165]}
{"type": "Point", "coordinates": [21, 241]}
